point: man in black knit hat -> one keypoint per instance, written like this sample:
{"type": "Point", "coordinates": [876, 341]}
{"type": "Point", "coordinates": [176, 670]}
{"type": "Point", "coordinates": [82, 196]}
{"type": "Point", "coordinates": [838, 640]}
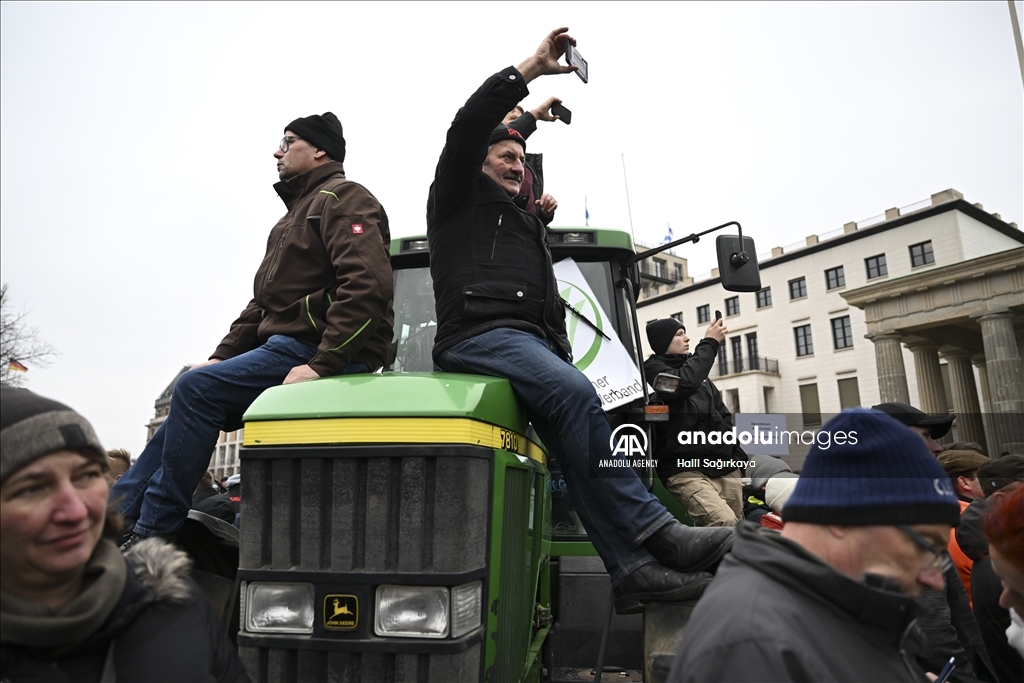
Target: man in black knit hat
{"type": "Point", "coordinates": [321, 306]}
{"type": "Point", "coordinates": [499, 314]}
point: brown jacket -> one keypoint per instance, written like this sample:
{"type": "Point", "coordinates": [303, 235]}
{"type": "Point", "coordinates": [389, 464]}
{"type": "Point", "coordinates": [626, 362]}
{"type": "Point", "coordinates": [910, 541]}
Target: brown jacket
{"type": "Point", "coordinates": [326, 278]}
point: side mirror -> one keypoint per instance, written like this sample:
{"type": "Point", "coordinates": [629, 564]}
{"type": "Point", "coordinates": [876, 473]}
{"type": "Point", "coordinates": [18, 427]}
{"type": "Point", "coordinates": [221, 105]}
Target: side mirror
{"type": "Point", "coordinates": [737, 263]}
{"type": "Point", "coordinates": [666, 383]}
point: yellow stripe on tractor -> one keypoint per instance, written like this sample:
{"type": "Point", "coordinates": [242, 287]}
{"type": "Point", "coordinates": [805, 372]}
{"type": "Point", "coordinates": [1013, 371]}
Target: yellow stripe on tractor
{"type": "Point", "coordinates": [367, 430]}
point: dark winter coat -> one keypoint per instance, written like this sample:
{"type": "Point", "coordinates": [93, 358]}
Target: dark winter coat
{"type": "Point", "coordinates": [993, 620]}
{"type": "Point", "coordinates": [696, 406]}
{"type": "Point", "coordinates": [489, 258]}
{"type": "Point", "coordinates": [161, 629]}
{"type": "Point", "coordinates": [326, 277]}
{"type": "Point", "coordinates": [215, 504]}
{"type": "Point", "coordinates": [816, 624]}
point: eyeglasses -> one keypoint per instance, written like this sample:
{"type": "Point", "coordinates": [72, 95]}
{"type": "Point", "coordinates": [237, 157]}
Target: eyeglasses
{"type": "Point", "coordinates": [942, 561]}
{"type": "Point", "coordinates": [287, 141]}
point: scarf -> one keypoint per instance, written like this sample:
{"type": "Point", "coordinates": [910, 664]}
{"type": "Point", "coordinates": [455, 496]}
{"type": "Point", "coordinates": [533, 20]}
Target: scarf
{"type": "Point", "coordinates": [54, 632]}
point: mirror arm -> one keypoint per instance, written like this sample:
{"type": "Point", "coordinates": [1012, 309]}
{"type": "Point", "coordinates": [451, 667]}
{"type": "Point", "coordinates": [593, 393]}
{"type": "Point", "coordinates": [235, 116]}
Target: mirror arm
{"type": "Point", "coordinates": [694, 237]}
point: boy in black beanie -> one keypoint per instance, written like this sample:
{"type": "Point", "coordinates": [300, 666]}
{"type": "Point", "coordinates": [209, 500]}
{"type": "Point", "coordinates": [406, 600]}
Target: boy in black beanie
{"type": "Point", "coordinates": [711, 493]}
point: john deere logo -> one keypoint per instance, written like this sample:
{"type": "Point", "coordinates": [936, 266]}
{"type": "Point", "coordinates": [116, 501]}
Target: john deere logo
{"type": "Point", "coordinates": [584, 341]}
{"type": "Point", "coordinates": [341, 612]}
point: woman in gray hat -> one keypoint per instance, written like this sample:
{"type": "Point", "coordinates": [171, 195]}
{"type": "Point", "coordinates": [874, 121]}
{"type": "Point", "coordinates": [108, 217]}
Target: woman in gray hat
{"type": "Point", "coordinates": [72, 607]}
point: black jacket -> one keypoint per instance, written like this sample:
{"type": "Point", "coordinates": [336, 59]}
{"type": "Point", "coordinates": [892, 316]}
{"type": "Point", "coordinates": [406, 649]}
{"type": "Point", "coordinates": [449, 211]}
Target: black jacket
{"type": "Point", "coordinates": [489, 258]}
{"type": "Point", "coordinates": [214, 504]}
{"type": "Point", "coordinates": [163, 629]}
{"type": "Point", "coordinates": [695, 407]}
{"type": "Point", "coordinates": [817, 624]}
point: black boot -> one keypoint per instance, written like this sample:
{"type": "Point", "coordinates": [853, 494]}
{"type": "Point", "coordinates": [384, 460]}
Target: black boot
{"type": "Point", "coordinates": [690, 549]}
{"type": "Point", "coordinates": [653, 582]}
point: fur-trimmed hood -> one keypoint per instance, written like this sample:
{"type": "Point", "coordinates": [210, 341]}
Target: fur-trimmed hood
{"type": "Point", "coordinates": [162, 568]}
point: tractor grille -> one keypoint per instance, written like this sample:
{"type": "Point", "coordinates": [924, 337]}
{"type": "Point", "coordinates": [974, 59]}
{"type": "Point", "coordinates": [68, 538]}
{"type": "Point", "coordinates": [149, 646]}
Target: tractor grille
{"type": "Point", "coordinates": [371, 514]}
{"type": "Point", "coordinates": [515, 604]}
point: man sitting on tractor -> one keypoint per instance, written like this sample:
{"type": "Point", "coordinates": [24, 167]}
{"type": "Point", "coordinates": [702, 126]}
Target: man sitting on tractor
{"type": "Point", "coordinates": [499, 314]}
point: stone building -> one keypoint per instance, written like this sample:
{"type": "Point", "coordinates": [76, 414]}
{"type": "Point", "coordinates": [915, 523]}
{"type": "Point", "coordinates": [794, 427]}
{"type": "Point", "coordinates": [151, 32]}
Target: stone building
{"type": "Point", "coordinates": [800, 346]}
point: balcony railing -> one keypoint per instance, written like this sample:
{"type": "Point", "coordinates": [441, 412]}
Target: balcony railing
{"type": "Point", "coordinates": [750, 364]}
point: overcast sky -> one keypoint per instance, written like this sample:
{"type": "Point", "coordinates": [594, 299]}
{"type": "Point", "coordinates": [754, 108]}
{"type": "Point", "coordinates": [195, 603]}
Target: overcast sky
{"type": "Point", "coordinates": [137, 141]}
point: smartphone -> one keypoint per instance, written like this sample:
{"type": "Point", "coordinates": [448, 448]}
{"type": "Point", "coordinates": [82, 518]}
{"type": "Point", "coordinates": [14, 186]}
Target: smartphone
{"type": "Point", "coordinates": [573, 57]}
{"type": "Point", "coordinates": [718, 315]}
{"type": "Point", "coordinates": [562, 112]}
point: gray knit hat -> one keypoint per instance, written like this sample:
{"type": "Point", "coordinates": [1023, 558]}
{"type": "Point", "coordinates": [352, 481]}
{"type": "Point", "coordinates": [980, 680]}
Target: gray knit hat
{"type": "Point", "coordinates": [32, 426]}
{"type": "Point", "coordinates": [765, 467]}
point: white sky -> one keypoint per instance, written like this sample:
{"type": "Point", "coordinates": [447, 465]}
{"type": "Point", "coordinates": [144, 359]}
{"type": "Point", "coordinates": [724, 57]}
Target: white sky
{"type": "Point", "coordinates": [137, 141]}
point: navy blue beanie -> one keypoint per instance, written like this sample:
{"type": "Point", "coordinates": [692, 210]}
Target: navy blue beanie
{"type": "Point", "coordinates": [873, 471]}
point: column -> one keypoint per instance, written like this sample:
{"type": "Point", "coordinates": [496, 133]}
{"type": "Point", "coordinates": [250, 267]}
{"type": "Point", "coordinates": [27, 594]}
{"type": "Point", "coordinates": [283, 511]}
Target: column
{"type": "Point", "coordinates": [965, 396]}
{"type": "Point", "coordinates": [930, 389]}
{"type": "Point", "coordinates": [892, 375]}
{"type": "Point", "coordinates": [1006, 381]}
{"type": "Point", "coordinates": [978, 361]}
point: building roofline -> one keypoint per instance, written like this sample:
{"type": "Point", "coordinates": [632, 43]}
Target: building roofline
{"type": "Point", "coordinates": [961, 205]}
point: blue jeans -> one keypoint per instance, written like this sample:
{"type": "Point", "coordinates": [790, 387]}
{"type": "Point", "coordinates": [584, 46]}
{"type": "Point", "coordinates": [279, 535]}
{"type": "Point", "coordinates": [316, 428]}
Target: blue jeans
{"type": "Point", "coordinates": [157, 490]}
{"type": "Point", "coordinates": [618, 513]}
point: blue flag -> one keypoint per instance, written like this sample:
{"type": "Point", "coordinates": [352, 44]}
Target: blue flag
{"type": "Point", "coordinates": [668, 237]}
{"type": "Point", "coordinates": [586, 213]}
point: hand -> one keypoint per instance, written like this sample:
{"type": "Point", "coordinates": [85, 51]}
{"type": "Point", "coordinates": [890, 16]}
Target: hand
{"type": "Point", "coordinates": [543, 112]}
{"type": "Point", "coordinates": [544, 61]}
{"type": "Point", "coordinates": [300, 373]}
{"type": "Point", "coordinates": [716, 330]}
{"type": "Point", "coordinates": [205, 363]}
{"type": "Point", "coordinates": [546, 205]}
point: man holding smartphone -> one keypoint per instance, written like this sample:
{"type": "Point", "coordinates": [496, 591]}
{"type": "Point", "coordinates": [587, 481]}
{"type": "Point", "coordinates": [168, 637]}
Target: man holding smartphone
{"type": "Point", "coordinates": [532, 190]}
{"type": "Point", "coordinates": [499, 314]}
{"type": "Point", "coordinates": [699, 474]}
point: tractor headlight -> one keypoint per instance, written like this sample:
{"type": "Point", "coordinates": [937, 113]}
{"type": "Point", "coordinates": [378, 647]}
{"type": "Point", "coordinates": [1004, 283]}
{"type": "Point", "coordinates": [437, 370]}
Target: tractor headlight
{"type": "Point", "coordinates": [467, 601]}
{"type": "Point", "coordinates": [279, 608]}
{"type": "Point", "coordinates": [411, 611]}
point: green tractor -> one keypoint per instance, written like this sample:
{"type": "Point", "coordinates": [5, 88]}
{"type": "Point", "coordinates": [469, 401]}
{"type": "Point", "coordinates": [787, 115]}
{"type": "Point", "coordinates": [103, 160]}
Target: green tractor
{"type": "Point", "coordinates": [409, 526]}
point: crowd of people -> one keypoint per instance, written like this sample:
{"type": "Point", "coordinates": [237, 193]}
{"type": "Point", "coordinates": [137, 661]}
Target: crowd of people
{"type": "Point", "coordinates": [885, 559]}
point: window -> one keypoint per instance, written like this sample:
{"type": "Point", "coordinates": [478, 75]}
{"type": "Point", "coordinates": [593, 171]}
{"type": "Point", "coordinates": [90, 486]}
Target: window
{"type": "Point", "coordinates": [804, 343]}
{"type": "Point", "coordinates": [723, 360]}
{"type": "Point", "coordinates": [921, 254]}
{"type": "Point", "coordinates": [732, 305]}
{"type": "Point", "coordinates": [660, 268]}
{"type": "Point", "coordinates": [678, 271]}
{"type": "Point", "coordinates": [798, 288]}
{"type": "Point", "coordinates": [764, 297]}
{"type": "Point", "coordinates": [842, 335]}
{"type": "Point", "coordinates": [876, 266]}
{"type": "Point", "coordinates": [737, 353]}
{"type": "Point", "coordinates": [704, 314]}
{"type": "Point", "coordinates": [752, 351]}
{"type": "Point", "coordinates": [849, 393]}
{"type": "Point", "coordinates": [678, 316]}
{"type": "Point", "coordinates": [835, 277]}
{"type": "Point", "coordinates": [809, 404]}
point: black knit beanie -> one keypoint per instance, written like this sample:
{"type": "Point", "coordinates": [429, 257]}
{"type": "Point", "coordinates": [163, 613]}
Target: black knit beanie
{"type": "Point", "coordinates": [323, 132]}
{"type": "Point", "coordinates": [660, 333]}
{"type": "Point", "coordinates": [503, 132]}
{"type": "Point", "coordinates": [864, 469]}
{"type": "Point", "coordinates": [32, 426]}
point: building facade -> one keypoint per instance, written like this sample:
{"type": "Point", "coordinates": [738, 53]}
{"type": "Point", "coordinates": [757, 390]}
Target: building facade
{"type": "Point", "coordinates": [827, 329]}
